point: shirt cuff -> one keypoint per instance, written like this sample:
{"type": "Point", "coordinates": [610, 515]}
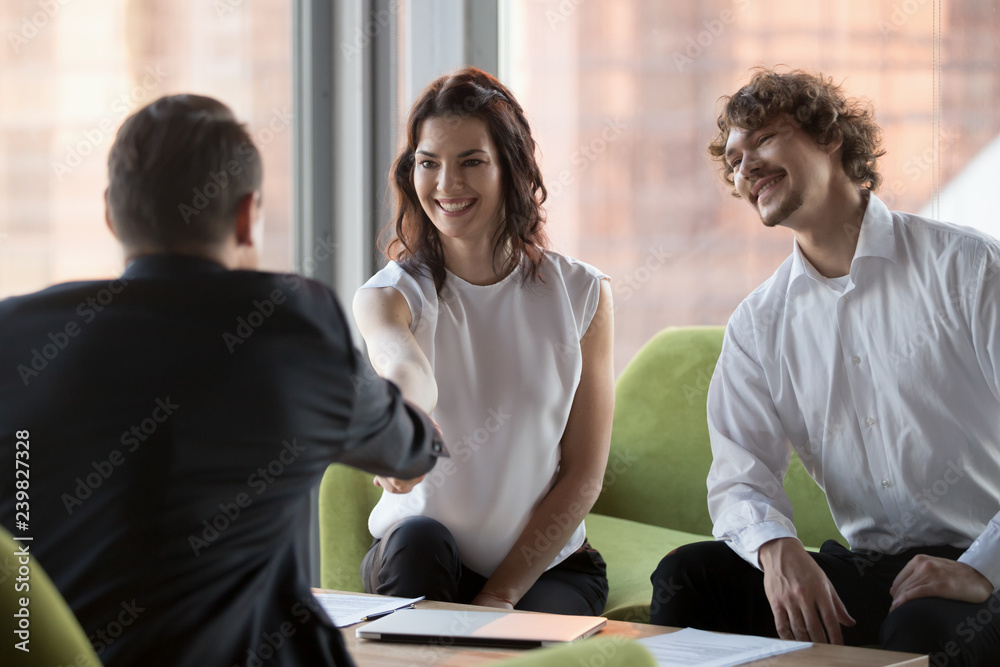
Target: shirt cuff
{"type": "Point", "coordinates": [748, 541]}
{"type": "Point", "coordinates": [984, 553]}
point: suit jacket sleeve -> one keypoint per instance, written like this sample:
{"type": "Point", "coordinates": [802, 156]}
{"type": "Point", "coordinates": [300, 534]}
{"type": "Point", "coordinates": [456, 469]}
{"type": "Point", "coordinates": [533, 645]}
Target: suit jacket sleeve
{"type": "Point", "coordinates": [345, 405]}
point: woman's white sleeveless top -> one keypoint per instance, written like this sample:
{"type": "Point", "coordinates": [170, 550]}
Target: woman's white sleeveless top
{"type": "Point", "coordinates": [507, 362]}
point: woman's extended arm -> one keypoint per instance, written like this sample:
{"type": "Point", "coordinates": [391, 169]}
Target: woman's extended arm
{"type": "Point", "coordinates": [585, 446]}
{"type": "Point", "coordinates": [383, 318]}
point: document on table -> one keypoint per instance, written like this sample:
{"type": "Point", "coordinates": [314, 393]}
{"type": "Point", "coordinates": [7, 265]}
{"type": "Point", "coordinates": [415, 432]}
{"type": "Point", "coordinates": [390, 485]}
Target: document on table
{"type": "Point", "coordinates": [697, 648]}
{"type": "Point", "coordinates": [347, 610]}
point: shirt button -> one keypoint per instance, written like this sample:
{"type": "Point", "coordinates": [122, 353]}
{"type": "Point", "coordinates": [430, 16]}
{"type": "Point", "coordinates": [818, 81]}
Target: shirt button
{"type": "Point", "coordinates": [856, 359]}
{"type": "Point", "coordinates": [870, 421]}
{"type": "Point", "coordinates": [885, 484]}
{"type": "Point", "coordinates": [845, 298]}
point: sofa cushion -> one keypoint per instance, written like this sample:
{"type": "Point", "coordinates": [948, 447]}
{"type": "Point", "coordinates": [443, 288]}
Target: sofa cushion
{"type": "Point", "coordinates": [660, 450]}
{"type": "Point", "coordinates": [632, 551]}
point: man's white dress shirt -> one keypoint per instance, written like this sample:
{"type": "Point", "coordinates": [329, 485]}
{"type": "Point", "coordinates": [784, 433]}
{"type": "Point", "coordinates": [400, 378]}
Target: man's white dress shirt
{"type": "Point", "coordinates": [884, 382]}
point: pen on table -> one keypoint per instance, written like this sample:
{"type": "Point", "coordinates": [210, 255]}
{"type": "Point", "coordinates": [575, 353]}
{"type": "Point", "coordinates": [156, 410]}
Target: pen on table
{"type": "Point", "coordinates": [372, 617]}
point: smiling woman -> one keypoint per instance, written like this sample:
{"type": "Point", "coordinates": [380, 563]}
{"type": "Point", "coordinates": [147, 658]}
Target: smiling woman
{"type": "Point", "coordinates": [464, 112]}
{"type": "Point", "coordinates": [458, 180]}
{"type": "Point", "coordinates": [475, 318]}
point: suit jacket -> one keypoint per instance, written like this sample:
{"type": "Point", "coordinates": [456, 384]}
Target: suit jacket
{"type": "Point", "coordinates": [176, 419]}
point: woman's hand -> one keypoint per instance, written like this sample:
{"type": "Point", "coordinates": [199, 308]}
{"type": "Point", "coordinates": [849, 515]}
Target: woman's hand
{"type": "Point", "coordinates": [393, 485]}
{"type": "Point", "coordinates": [485, 599]}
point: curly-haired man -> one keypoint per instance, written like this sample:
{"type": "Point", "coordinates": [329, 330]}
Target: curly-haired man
{"type": "Point", "coordinates": [873, 352]}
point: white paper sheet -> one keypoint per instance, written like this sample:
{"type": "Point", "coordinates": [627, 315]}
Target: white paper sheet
{"type": "Point", "coordinates": [697, 648]}
{"type": "Point", "coordinates": [347, 610]}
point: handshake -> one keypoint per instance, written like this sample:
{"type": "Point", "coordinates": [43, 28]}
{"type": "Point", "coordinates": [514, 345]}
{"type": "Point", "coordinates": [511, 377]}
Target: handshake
{"type": "Point", "coordinates": [393, 485]}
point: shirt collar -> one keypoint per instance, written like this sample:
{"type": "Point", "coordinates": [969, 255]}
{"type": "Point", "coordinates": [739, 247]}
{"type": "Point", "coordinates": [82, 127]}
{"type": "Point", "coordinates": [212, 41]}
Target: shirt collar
{"type": "Point", "coordinates": [875, 239]}
{"type": "Point", "coordinates": [878, 238]}
{"type": "Point", "coordinates": [170, 266]}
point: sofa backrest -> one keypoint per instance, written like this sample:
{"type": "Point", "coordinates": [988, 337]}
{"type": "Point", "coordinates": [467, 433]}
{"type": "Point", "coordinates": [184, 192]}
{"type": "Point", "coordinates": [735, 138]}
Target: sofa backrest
{"type": "Point", "coordinates": [660, 452]}
{"type": "Point", "coordinates": [346, 498]}
{"type": "Point", "coordinates": [54, 636]}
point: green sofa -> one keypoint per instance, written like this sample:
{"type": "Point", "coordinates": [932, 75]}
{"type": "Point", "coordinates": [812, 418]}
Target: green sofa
{"type": "Point", "coordinates": [54, 635]}
{"type": "Point", "coordinates": [654, 496]}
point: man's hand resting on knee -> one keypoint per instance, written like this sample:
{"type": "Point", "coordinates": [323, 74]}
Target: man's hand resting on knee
{"type": "Point", "coordinates": [805, 605]}
{"type": "Point", "coordinates": [927, 576]}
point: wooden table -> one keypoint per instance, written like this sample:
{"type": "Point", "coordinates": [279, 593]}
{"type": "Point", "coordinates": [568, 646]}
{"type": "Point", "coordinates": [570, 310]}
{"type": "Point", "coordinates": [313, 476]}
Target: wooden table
{"type": "Point", "coordinates": [368, 653]}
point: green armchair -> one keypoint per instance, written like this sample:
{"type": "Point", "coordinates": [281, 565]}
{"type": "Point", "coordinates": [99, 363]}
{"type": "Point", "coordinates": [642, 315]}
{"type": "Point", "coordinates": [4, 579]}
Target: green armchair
{"type": "Point", "coordinates": [56, 637]}
{"type": "Point", "coordinates": [654, 496]}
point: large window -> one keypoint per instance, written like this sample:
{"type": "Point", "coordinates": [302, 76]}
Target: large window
{"type": "Point", "coordinates": [70, 72]}
{"type": "Point", "coordinates": [621, 95]}
{"type": "Point", "coordinates": [622, 98]}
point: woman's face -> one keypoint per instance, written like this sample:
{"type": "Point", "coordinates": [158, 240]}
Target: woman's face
{"type": "Point", "coordinates": [457, 178]}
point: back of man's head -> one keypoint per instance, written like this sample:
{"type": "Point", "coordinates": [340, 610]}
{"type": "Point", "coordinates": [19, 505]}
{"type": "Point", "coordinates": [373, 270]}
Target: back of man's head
{"type": "Point", "coordinates": [177, 171]}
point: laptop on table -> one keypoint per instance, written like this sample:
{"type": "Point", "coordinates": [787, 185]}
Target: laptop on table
{"type": "Point", "coordinates": [480, 628]}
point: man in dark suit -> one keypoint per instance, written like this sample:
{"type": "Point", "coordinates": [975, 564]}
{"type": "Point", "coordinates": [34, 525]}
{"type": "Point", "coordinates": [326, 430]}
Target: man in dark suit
{"type": "Point", "coordinates": [178, 416]}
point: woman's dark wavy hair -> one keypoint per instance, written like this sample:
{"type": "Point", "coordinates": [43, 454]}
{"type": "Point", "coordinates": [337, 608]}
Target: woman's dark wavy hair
{"type": "Point", "coordinates": [472, 93]}
{"type": "Point", "coordinates": [819, 106]}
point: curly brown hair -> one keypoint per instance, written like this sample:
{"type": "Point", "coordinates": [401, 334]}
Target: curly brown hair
{"type": "Point", "coordinates": [473, 93]}
{"type": "Point", "coordinates": [818, 105]}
